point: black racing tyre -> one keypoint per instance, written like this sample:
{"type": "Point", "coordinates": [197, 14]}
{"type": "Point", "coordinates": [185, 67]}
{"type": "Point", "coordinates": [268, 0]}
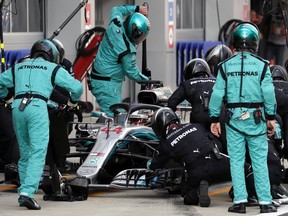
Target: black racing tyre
{"type": "Point", "coordinates": [225, 33]}
{"type": "Point", "coordinates": [70, 193]}
{"type": "Point", "coordinates": [84, 38]}
{"type": "Point", "coordinates": [14, 150]}
{"type": "Point", "coordinates": [172, 192]}
{"type": "Point", "coordinates": [45, 197]}
{"type": "Point", "coordinates": [89, 107]}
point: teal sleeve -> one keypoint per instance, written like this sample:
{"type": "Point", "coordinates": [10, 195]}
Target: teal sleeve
{"type": "Point", "coordinates": [130, 67]}
{"type": "Point", "coordinates": [6, 81]}
{"type": "Point", "coordinates": [3, 92]}
{"type": "Point", "coordinates": [122, 11]}
{"type": "Point", "coordinates": [216, 99]}
{"type": "Point", "coordinates": [65, 80]}
{"type": "Point", "coordinates": [269, 95]}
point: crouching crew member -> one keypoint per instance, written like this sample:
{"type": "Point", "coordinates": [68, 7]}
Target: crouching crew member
{"type": "Point", "coordinates": [195, 147]}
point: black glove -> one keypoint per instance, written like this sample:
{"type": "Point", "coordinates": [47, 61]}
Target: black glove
{"type": "Point", "coordinates": [71, 103]}
{"type": "Point", "coordinates": [8, 101]}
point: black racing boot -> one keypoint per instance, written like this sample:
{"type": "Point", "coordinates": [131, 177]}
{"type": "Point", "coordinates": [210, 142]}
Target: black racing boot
{"type": "Point", "coordinates": [267, 208]}
{"type": "Point", "coordinates": [238, 208]}
{"type": "Point", "coordinates": [204, 199]}
{"type": "Point", "coordinates": [28, 202]}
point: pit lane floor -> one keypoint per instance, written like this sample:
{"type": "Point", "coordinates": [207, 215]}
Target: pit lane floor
{"type": "Point", "coordinates": [111, 202]}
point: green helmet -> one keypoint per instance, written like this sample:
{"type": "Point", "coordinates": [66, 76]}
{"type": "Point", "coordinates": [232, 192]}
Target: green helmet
{"type": "Point", "coordinates": [45, 49]}
{"type": "Point", "coordinates": [137, 27]}
{"type": "Point", "coordinates": [246, 36]}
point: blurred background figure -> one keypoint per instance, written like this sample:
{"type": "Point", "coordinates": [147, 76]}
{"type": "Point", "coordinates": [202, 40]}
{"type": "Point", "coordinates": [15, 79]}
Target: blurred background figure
{"type": "Point", "coordinates": [273, 34]}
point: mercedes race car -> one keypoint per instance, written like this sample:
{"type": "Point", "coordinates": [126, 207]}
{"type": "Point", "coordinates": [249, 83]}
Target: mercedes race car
{"type": "Point", "coordinates": [121, 147]}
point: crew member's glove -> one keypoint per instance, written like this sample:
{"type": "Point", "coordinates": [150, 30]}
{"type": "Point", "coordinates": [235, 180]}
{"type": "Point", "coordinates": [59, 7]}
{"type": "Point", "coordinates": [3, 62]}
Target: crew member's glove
{"type": "Point", "coordinates": [143, 77]}
{"type": "Point", "coordinates": [8, 105]}
{"type": "Point", "coordinates": [71, 103]}
{"type": "Point", "coordinates": [8, 101]}
{"type": "Point", "coordinates": [148, 164]}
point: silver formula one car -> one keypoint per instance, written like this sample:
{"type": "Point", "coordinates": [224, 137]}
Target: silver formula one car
{"type": "Point", "coordinates": [113, 154]}
{"type": "Point", "coordinates": [125, 141]}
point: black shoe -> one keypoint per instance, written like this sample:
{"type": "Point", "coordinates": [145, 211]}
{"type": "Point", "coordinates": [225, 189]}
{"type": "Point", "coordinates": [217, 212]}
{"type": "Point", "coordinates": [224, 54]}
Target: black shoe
{"type": "Point", "coordinates": [267, 208]}
{"type": "Point", "coordinates": [204, 199]}
{"type": "Point", "coordinates": [28, 202]}
{"type": "Point", "coordinates": [238, 208]}
{"type": "Point", "coordinates": [252, 201]}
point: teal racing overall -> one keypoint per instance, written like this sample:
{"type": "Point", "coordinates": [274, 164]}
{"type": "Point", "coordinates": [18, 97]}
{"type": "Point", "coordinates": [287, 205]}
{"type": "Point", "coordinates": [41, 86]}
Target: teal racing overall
{"type": "Point", "coordinates": [34, 79]}
{"type": "Point", "coordinates": [115, 59]}
{"type": "Point", "coordinates": [245, 82]}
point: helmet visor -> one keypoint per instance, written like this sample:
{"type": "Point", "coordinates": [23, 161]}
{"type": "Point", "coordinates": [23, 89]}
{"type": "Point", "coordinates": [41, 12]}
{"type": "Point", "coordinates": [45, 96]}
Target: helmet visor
{"type": "Point", "coordinates": [137, 35]}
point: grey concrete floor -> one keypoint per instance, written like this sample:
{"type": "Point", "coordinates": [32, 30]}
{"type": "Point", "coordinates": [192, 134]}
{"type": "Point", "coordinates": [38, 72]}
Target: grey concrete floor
{"type": "Point", "coordinates": [111, 202]}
